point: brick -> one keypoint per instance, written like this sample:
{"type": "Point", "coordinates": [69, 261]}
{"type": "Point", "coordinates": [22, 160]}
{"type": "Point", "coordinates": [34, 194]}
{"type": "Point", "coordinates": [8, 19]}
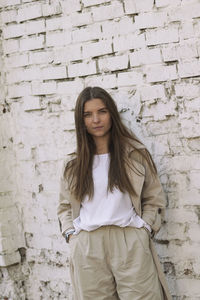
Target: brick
{"type": "Point", "coordinates": [145, 56]}
{"type": "Point", "coordinates": [12, 31]}
{"type": "Point", "coordinates": [6, 3]}
{"type": "Point", "coordinates": [88, 33]}
{"type": "Point", "coordinates": [9, 259]}
{"type": "Point", "coordinates": [136, 6]}
{"type": "Point", "coordinates": [10, 46]}
{"type": "Point", "coordinates": [169, 53]}
{"type": "Point", "coordinates": [80, 19]}
{"type": "Point", "coordinates": [70, 6]}
{"type": "Point", "coordinates": [185, 12]}
{"type": "Point", "coordinates": [150, 20]}
{"type": "Point", "coordinates": [31, 103]}
{"type": "Point", "coordinates": [16, 60]}
{"type": "Point", "coordinates": [70, 87]}
{"type": "Point", "coordinates": [58, 39]}
{"type": "Point", "coordinates": [122, 26]}
{"type": "Point", "coordinates": [82, 69]}
{"type": "Point", "coordinates": [45, 88]}
{"type": "Point", "coordinates": [180, 215]}
{"type": "Point", "coordinates": [189, 69]}
{"type": "Point", "coordinates": [130, 41]}
{"type": "Point", "coordinates": [32, 43]}
{"type": "Point", "coordinates": [165, 3]}
{"type": "Point", "coordinates": [41, 57]}
{"type": "Point", "coordinates": [16, 91]}
{"type": "Point", "coordinates": [130, 78]}
{"type": "Point", "coordinates": [97, 49]}
{"type": "Point", "coordinates": [152, 92]}
{"type": "Point", "coordinates": [187, 30]}
{"type": "Point", "coordinates": [29, 12]}
{"type": "Point", "coordinates": [105, 81]}
{"type": "Point", "coordinates": [188, 287]}
{"type": "Point", "coordinates": [161, 36]}
{"type": "Point", "coordinates": [187, 90]}
{"type": "Point", "coordinates": [113, 63]}
{"type": "Point", "coordinates": [56, 23]}
{"type": "Point", "coordinates": [67, 54]}
{"type": "Point", "coordinates": [159, 73]}
{"type": "Point", "coordinates": [21, 74]}
{"type": "Point", "coordinates": [54, 72]}
{"type": "Point", "coordinates": [101, 13]}
{"type": "Point", "coordinates": [88, 3]}
{"type": "Point", "coordinates": [33, 27]}
{"type": "Point", "coordinates": [54, 8]}
{"type": "Point", "coordinates": [8, 16]}
{"type": "Point", "coordinates": [192, 232]}
{"type": "Point", "coordinates": [160, 110]}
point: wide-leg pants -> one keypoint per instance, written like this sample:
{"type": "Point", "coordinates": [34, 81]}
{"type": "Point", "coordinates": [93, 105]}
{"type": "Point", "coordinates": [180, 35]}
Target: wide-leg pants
{"type": "Point", "coordinates": [113, 263]}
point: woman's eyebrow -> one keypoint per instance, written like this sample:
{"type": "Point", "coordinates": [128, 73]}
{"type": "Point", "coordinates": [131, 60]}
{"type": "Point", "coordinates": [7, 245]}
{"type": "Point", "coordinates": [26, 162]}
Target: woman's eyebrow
{"type": "Point", "coordinates": [104, 107]}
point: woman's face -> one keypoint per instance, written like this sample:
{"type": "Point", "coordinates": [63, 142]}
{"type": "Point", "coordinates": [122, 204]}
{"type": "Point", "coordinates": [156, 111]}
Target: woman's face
{"type": "Point", "coordinates": [97, 118]}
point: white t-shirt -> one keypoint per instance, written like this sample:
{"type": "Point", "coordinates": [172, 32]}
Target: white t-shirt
{"type": "Point", "coordinates": [106, 208]}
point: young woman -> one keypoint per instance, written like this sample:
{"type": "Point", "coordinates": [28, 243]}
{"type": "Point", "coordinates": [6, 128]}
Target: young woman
{"type": "Point", "coordinates": [110, 205]}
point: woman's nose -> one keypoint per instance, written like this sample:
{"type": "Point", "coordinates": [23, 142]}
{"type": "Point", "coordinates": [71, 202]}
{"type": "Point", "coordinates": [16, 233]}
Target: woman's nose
{"type": "Point", "coordinates": [95, 118]}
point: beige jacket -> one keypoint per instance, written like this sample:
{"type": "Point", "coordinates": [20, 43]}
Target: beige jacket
{"type": "Point", "coordinates": [148, 201]}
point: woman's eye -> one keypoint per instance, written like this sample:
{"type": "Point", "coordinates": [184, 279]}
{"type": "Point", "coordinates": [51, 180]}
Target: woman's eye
{"type": "Point", "coordinates": [86, 115]}
{"type": "Point", "coordinates": [103, 111]}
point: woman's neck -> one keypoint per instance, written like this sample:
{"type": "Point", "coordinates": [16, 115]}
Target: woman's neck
{"type": "Point", "coordinates": [101, 146]}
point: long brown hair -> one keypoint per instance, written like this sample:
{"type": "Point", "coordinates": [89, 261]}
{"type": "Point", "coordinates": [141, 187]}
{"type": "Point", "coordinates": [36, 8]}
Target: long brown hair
{"type": "Point", "coordinates": [78, 171]}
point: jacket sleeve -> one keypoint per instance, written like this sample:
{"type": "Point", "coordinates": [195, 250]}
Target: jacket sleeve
{"type": "Point", "coordinates": [152, 199]}
{"type": "Point", "coordinates": [64, 210]}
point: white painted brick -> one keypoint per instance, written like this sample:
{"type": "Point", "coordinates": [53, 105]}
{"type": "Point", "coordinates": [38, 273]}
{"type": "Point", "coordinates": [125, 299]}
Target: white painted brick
{"type": "Point", "coordinates": [9, 259]}
{"type": "Point", "coordinates": [35, 27]}
{"type": "Point", "coordinates": [187, 90]}
{"type": "Point", "coordinates": [8, 16]}
{"type": "Point", "coordinates": [88, 3]}
{"type": "Point", "coordinates": [192, 232]}
{"type": "Point", "coordinates": [105, 81]}
{"type": "Point", "coordinates": [21, 74]}
{"type": "Point", "coordinates": [187, 30]}
{"type": "Point", "coordinates": [32, 43]}
{"type": "Point", "coordinates": [160, 110]}
{"type": "Point", "coordinates": [10, 46]}
{"type": "Point", "coordinates": [165, 3]}
{"type": "Point", "coordinates": [70, 6]}
{"type": "Point", "coordinates": [130, 41]}
{"type": "Point", "coordinates": [88, 33]}
{"type": "Point", "coordinates": [107, 12]}
{"type": "Point", "coordinates": [97, 49]}
{"type": "Point", "coordinates": [130, 78]}
{"type": "Point", "coordinates": [15, 91]}
{"type": "Point", "coordinates": [6, 3]}
{"type": "Point", "coordinates": [150, 20]}
{"type": "Point", "coordinates": [16, 60]}
{"type": "Point", "coordinates": [67, 54]}
{"type": "Point", "coordinates": [54, 8]}
{"type": "Point", "coordinates": [169, 53]}
{"type": "Point", "coordinates": [58, 39]}
{"type": "Point", "coordinates": [12, 31]}
{"type": "Point", "coordinates": [29, 12]}
{"type": "Point", "coordinates": [80, 19]}
{"type": "Point", "coordinates": [70, 87]}
{"type": "Point", "coordinates": [136, 6]}
{"type": "Point", "coordinates": [158, 73]}
{"type": "Point", "coordinates": [181, 215]}
{"type": "Point", "coordinates": [58, 23]}
{"type": "Point", "coordinates": [161, 36]}
{"type": "Point", "coordinates": [194, 178]}
{"type": "Point", "coordinates": [190, 128]}
{"type": "Point", "coordinates": [120, 26]}
{"type": "Point", "coordinates": [152, 92]}
{"type": "Point", "coordinates": [82, 69]}
{"type": "Point", "coordinates": [146, 56]}
{"type": "Point", "coordinates": [54, 72]}
{"type": "Point", "coordinates": [113, 63]}
{"type": "Point", "coordinates": [187, 51]}
{"type": "Point", "coordinates": [41, 57]}
{"type": "Point", "coordinates": [189, 69]}
{"type": "Point", "coordinates": [188, 287]}
{"type": "Point", "coordinates": [185, 12]}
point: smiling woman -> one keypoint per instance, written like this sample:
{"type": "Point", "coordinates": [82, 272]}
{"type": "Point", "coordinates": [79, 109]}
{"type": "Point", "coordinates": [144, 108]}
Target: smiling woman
{"type": "Point", "coordinates": [110, 206]}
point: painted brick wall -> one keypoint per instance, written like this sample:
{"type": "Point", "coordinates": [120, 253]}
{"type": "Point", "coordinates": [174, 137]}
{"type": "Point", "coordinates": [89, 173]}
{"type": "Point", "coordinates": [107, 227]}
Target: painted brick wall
{"type": "Point", "coordinates": [146, 54]}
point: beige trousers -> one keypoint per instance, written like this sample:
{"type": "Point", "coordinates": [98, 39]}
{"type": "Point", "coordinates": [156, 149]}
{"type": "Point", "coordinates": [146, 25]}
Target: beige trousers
{"type": "Point", "coordinates": [113, 263]}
